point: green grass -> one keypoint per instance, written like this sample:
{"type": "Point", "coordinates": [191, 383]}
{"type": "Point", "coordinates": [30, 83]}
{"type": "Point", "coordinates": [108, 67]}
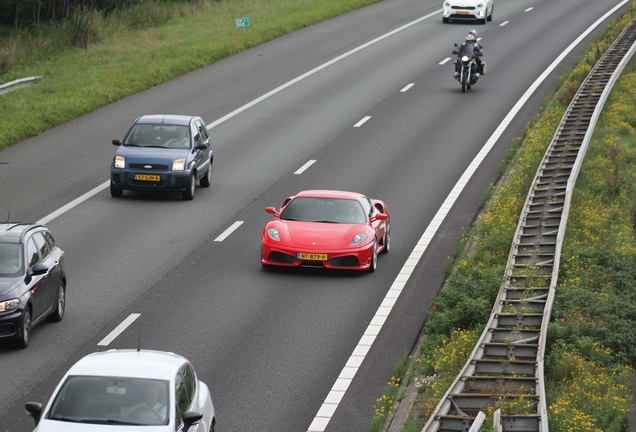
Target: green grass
{"type": "Point", "coordinates": [92, 60]}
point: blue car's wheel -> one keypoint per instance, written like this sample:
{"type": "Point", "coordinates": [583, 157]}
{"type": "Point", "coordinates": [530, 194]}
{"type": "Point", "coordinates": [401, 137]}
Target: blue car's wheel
{"type": "Point", "coordinates": [114, 191]}
{"type": "Point", "coordinates": [188, 194]}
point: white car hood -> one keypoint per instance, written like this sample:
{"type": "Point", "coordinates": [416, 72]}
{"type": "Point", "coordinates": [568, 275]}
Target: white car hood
{"type": "Point", "coordinates": [465, 2]}
{"type": "Point", "coordinates": [46, 425]}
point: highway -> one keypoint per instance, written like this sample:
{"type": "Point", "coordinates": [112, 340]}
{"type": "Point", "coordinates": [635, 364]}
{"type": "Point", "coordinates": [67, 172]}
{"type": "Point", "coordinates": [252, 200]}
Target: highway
{"type": "Point", "coordinates": [271, 343]}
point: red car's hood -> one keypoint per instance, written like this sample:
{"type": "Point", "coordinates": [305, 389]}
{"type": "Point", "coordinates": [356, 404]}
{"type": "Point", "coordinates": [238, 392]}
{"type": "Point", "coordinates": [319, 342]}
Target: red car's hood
{"type": "Point", "coordinates": [318, 234]}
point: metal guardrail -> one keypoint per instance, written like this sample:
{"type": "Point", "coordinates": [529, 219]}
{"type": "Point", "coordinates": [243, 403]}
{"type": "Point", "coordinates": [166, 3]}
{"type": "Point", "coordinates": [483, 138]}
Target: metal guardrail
{"type": "Point", "coordinates": [13, 85]}
{"type": "Point", "coordinates": [507, 362]}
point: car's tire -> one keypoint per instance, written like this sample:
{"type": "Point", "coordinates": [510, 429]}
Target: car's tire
{"type": "Point", "coordinates": [213, 425]}
{"type": "Point", "coordinates": [25, 329]}
{"type": "Point", "coordinates": [483, 21]}
{"type": "Point", "coordinates": [374, 258]}
{"type": "Point", "coordinates": [188, 194]}
{"type": "Point", "coordinates": [445, 20]}
{"type": "Point", "coordinates": [387, 238]}
{"type": "Point", "coordinates": [60, 304]}
{"type": "Point", "coordinates": [115, 192]}
{"type": "Point", "coordinates": [206, 180]}
{"type": "Point", "coordinates": [492, 12]}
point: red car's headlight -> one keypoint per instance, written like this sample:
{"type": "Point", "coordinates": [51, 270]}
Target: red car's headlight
{"type": "Point", "coordinates": [273, 234]}
{"type": "Point", "coordinates": [357, 239]}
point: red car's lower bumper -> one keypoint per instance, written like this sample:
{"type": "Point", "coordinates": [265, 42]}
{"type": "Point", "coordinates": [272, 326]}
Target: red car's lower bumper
{"type": "Point", "coordinates": [354, 258]}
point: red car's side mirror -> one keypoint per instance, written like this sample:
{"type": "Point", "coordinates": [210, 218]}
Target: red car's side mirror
{"type": "Point", "coordinates": [379, 216]}
{"type": "Point", "coordinates": [271, 210]}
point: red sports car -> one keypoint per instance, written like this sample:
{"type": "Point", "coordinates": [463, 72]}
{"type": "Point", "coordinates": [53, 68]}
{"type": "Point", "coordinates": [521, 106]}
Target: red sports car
{"type": "Point", "coordinates": [331, 229]}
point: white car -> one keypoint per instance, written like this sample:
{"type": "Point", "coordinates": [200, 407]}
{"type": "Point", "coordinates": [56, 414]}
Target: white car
{"type": "Point", "coordinates": [468, 10]}
{"type": "Point", "coordinates": [127, 391]}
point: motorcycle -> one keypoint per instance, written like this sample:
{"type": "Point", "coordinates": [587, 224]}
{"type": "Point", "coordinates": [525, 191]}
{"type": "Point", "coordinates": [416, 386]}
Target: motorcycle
{"type": "Point", "coordinates": [467, 71]}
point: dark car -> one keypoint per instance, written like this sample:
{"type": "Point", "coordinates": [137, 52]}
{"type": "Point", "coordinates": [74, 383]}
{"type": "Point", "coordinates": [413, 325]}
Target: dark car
{"type": "Point", "coordinates": [32, 280]}
{"type": "Point", "coordinates": [162, 153]}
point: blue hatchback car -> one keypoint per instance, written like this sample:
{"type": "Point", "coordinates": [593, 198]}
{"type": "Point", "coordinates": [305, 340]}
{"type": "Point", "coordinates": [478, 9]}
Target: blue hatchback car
{"type": "Point", "coordinates": [163, 153]}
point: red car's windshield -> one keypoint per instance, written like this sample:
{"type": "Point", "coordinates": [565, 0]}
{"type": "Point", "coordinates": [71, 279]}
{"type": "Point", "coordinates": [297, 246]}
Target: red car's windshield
{"type": "Point", "coordinates": [325, 210]}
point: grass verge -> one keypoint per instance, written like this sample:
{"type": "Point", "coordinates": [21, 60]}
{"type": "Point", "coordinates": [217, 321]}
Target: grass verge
{"type": "Point", "coordinates": [93, 59]}
{"type": "Point", "coordinates": [591, 351]}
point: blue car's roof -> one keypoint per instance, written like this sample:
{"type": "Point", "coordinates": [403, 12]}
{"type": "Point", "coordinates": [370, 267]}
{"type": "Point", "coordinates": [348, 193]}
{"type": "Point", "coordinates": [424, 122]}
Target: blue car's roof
{"type": "Point", "coordinates": [165, 119]}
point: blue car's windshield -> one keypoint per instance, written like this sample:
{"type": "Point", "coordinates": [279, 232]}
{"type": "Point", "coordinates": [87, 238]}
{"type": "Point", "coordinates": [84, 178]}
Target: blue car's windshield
{"type": "Point", "coordinates": [158, 136]}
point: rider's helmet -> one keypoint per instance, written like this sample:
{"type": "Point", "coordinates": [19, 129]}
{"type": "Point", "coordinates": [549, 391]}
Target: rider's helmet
{"type": "Point", "coordinates": [471, 37]}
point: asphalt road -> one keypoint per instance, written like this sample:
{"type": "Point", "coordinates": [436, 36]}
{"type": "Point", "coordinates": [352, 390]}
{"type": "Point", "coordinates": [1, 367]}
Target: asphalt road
{"type": "Point", "coordinates": [270, 344]}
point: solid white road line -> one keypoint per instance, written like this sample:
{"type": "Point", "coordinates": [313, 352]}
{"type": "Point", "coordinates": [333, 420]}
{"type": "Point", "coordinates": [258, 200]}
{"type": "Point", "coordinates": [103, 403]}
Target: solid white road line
{"type": "Point", "coordinates": [446, 60]}
{"type": "Point", "coordinates": [407, 87]}
{"type": "Point", "coordinates": [74, 203]}
{"type": "Point", "coordinates": [228, 231]}
{"type": "Point", "coordinates": [338, 390]}
{"type": "Point", "coordinates": [317, 69]}
{"type": "Point", "coordinates": [361, 122]}
{"type": "Point", "coordinates": [304, 167]}
{"type": "Point", "coordinates": [119, 329]}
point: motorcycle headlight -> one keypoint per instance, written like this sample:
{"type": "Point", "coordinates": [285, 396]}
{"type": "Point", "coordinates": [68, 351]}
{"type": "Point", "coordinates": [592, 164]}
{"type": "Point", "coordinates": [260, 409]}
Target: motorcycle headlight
{"type": "Point", "coordinates": [465, 58]}
{"type": "Point", "coordinates": [120, 162]}
{"type": "Point", "coordinates": [357, 239]}
{"type": "Point", "coordinates": [9, 305]}
{"type": "Point", "coordinates": [273, 234]}
{"type": "Point", "coordinates": [178, 165]}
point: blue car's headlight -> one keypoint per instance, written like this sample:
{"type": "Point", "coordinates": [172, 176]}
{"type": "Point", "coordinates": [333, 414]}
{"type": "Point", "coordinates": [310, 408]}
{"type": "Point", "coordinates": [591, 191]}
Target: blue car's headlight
{"type": "Point", "coordinates": [9, 305]}
{"type": "Point", "coordinates": [120, 162]}
{"type": "Point", "coordinates": [179, 165]}
{"type": "Point", "coordinates": [273, 234]}
{"type": "Point", "coordinates": [358, 238]}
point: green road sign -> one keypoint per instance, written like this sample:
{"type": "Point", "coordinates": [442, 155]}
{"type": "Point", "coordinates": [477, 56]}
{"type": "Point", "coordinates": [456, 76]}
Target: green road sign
{"type": "Point", "coordinates": [242, 22]}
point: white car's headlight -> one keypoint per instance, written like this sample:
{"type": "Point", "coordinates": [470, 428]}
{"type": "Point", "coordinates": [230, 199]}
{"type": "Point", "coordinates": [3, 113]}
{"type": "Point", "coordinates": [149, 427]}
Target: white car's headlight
{"type": "Point", "coordinates": [358, 238]}
{"type": "Point", "coordinates": [120, 162]}
{"type": "Point", "coordinates": [482, 13]}
{"type": "Point", "coordinates": [9, 305]}
{"type": "Point", "coordinates": [273, 234]}
{"type": "Point", "coordinates": [447, 4]}
{"type": "Point", "coordinates": [480, 5]}
{"type": "Point", "coordinates": [178, 165]}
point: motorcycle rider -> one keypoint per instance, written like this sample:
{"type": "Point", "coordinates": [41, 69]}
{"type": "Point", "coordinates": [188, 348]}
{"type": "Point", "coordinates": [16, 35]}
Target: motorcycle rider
{"type": "Point", "coordinates": [471, 39]}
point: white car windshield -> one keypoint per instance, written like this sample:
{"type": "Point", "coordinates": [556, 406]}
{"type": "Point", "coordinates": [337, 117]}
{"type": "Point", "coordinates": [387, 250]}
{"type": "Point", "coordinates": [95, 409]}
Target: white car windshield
{"type": "Point", "coordinates": [111, 400]}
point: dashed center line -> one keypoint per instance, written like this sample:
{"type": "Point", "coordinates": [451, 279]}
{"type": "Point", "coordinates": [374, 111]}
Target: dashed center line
{"type": "Point", "coordinates": [303, 168]}
{"type": "Point", "coordinates": [119, 329]}
{"type": "Point", "coordinates": [407, 87]}
{"type": "Point", "coordinates": [529, 9]}
{"type": "Point", "coordinates": [361, 122]}
{"type": "Point", "coordinates": [228, 231]}
{"type": "Point", "coordinates": [503, 23]}
{"type": "Point", "coordinates": [446, 60]}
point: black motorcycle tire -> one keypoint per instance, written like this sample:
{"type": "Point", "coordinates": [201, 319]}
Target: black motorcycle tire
{"type": "Point", "coordinates": [464, 80]}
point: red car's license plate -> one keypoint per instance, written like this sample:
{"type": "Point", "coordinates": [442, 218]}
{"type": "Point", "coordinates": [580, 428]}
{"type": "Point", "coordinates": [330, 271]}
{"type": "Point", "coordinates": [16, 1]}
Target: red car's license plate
{"type": "Point", "coordinates": [311, 256]}
{"type": "Point", "coordinates": [147, 177]}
